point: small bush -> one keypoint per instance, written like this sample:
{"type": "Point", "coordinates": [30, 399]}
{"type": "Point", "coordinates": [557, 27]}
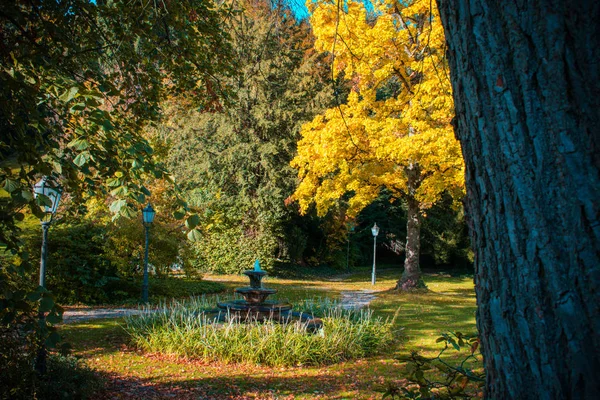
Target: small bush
{"type": "Point", "coordinates": [160, 289]}
{"type": "Point", "coordinates": [179, 287]}
{"type": "Point", "coordinates": [184, 330]}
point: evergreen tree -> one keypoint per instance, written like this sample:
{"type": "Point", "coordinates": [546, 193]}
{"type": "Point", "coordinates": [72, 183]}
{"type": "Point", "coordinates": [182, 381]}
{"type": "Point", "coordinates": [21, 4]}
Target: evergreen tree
{"type": "Point", "coordinates": [234, 163]}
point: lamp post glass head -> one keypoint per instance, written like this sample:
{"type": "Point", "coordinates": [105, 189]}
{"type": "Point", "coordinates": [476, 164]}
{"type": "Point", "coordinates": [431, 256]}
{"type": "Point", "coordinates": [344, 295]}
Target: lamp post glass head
{"type": "Point", "coordinates": [148, 214]}
{"type": "Point", "coordinates": [49, 193]}
{"type": "Point", "coordinates": [375, 230]}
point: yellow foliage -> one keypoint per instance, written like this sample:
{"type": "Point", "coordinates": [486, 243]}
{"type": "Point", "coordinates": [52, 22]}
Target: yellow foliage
{"type": "Point", "coordinates": [397, 114]}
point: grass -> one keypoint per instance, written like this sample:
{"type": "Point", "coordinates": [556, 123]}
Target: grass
{"type": "Point", "coordinates": [449, 305]}
{"type": "Point", "coordinates": [183, 329]}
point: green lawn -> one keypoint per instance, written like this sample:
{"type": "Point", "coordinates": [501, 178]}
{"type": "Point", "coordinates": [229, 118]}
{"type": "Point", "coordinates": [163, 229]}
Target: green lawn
{"type": "Point", "coordinates": [449, 305]}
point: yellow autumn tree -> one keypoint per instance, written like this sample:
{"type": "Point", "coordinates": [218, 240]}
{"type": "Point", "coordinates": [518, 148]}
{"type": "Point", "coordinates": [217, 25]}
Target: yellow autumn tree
{"type": "Point", "coordinates": [393, 130]}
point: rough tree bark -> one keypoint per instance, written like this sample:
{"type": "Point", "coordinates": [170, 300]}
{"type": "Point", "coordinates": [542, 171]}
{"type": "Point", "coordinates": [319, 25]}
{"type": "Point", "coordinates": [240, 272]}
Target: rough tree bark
{"type": "Point", "coordinates": [412, 277]}
{"type": "Point", "coordinates": [526, 80]}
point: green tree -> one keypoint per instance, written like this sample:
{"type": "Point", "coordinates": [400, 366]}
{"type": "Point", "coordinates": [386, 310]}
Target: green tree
{"type": "Point", "coordinates": [234, 164]}
{"type": "Point", "coordinates": [80, 81]}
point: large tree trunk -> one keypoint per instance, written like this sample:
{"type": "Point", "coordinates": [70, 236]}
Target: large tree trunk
{"type": "Point", "coordinates": [411, 277]}
{"type": "Point", "coordinates": [526, 79]}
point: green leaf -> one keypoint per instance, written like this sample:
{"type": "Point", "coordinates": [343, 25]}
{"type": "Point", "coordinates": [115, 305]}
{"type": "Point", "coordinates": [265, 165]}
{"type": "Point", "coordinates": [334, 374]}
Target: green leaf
{"type": "Point", "coordinates": [78, 107]}
{"type": "Point", "coordinates": [79, 144]}
{"type": "Point", "coordinates": [192, 221]}
{"type": "Point", "coordinates": [120, 191]}
{"type": "Point", "coordinates": [81, 159]}
{"type": "Point", "coordinates": [43, 200]}
{"type": "Point", "coordinates": [34, 296]}
{"type": "Point", "coordinates": [194, 235]}
{"type": "Point", "coordinates": [54, 318]}
{"type": "Point", "coordinates": [112, 182]}
{"type": "Point", "coordinates": [69, 94]}
{"type": "Point", "coordinates": [46, 304]}
{"type": "Point", "coordinates": [453, 343]}
{"type": "Point", "coordinates": [107, 125]}
{"type": "Point", "coordinates": [179, 214]}
{"type": "Point", "coordinates": [128, 212]}
{"type": "Point", "coordinates": [57, 167]}
{"type": "Point", "coordinates": [440, 339]}
{"type": "Point", "coordinates": [116, 206]}
{"type": "Point", "coordinates": [10, 185]}
{"type": "Point", "coordinates": [26, 195]}
{"type": "Point", "coordinates": [145, 191]}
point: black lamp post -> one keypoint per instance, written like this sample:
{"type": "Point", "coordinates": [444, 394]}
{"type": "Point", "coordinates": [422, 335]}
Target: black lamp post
{"type": "Point", "coordinates": [49, 193]}
{"type": "Point", "coordinates": [375, 232]}
{"type": "Point", "coordinates": [148, 217]}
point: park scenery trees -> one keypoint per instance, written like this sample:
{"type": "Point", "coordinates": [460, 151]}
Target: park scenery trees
{"type": "Point", "coordinates": [266, 130]}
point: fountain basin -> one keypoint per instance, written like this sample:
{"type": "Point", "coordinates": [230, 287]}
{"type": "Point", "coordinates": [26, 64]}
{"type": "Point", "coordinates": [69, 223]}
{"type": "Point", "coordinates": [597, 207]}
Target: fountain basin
{"type": "Point", "coordinates": [269, 309]}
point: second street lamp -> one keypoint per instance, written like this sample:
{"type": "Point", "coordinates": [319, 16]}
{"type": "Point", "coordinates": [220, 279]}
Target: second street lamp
{"type": "Point", "coordinates": [148, 218]}
{"type": "Point", "coordinates": [375, 232]}
{"type": "Point", "coordinates": [47, 192]}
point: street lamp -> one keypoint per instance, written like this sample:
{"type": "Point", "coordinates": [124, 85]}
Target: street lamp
{"type": "Point", "coordinates": [48, 192]}
{"type": "Point", "coordinates": [375, 232]}
{"type": "Point", "coordinates": [148, 217]}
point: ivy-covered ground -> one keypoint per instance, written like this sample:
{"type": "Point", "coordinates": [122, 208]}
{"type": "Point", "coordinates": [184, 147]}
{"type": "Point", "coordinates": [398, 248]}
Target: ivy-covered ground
{"type": "Point", "coordinates": [449, 305]}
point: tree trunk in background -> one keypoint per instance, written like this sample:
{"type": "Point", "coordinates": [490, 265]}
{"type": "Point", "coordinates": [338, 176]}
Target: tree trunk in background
{"type": "Point", "coordinates": [526, 80]}
{"type": "Point", "coordinates": [411, 277]}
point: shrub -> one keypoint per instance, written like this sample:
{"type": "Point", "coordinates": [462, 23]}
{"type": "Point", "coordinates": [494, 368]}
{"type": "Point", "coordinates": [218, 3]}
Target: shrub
{"type": "Point", "coordinates": [77, 269]}
{"type": "Point", "coordinates": [160, 289]}
{"type": "Point", "coordinates": [66, 376]}
{"type": "Point", "coordinates": [184, 330]}
{"type": "Point", "coordinates": [179, 287]}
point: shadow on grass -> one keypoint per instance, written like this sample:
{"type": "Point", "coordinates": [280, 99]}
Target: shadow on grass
{"type": "Point", "coordinates": [362, 379]}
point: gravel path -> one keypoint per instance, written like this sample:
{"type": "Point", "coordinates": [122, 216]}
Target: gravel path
{"type": "Point", "coordinates": [357, 298]}
{"type": "Point", "coordinates": [74, 316]}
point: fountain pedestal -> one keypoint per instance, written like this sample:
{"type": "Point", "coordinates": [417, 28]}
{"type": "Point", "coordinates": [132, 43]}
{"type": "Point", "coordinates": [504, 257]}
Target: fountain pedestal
{"type": "Point", "coordinates": [255, 305]}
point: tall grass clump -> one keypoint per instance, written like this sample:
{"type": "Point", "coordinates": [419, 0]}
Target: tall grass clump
{"type": "Point", "coordinates": [184, 329]}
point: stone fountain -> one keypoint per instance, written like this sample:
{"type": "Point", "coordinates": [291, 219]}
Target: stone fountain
{"type": "Point", "coordinates": [255, 305]}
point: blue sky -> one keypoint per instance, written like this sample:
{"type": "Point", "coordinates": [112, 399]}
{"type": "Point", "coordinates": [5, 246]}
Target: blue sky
{"type": "Point", "coordinates": [300, 11]}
